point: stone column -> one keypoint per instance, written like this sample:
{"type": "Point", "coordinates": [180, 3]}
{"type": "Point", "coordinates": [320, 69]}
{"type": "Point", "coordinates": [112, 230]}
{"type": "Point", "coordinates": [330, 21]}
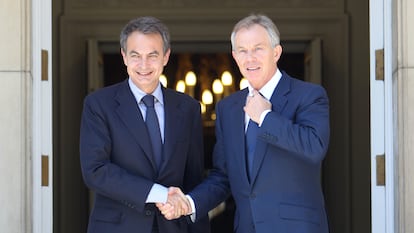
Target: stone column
{"type": "Point", "coordinates": [403, 76]}
{"type": "Point", "coordinates": [15, 116]}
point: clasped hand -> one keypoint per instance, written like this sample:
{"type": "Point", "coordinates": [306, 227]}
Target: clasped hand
{"type": "Point", "coordinates": [256, 104]}
{"type": "Point", "coordinates": [177, 204]}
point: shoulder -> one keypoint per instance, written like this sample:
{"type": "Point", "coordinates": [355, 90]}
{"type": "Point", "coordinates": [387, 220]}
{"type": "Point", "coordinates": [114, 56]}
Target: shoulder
{"type": "Point", "coordinates": [174, 97]}
{"type": "Point", "coordinates": [304, 88]}
{"type": "Point", "coordinates": [108, 94]}
{"type": "Point", "coordinates": [108, 90]}
{"type": "Point", "coordinates": [234, 97]}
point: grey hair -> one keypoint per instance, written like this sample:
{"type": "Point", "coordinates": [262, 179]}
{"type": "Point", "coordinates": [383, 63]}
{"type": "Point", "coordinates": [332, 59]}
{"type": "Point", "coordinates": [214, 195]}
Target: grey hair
{"type": "Point", "coordinates": [145, 25]}
{"type": "Point", "coordinates": [257, 19]}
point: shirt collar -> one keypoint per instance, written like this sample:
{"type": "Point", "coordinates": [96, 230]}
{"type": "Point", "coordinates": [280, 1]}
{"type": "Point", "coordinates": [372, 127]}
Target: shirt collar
{"type": "Point", "coordinates": [138, 93]}
{"type": "Point", "coordinates": [268, 89]}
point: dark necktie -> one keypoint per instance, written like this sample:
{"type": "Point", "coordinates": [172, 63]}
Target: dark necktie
{"type": "Point", "coordinates": [251, 138]}
{"type": "Point", "coordinates": [153, 128]}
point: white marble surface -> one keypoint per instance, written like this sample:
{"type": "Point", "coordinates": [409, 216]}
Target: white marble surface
{"type": "Point", "coordinates": [14, 158]}
{"type": "Point", "coordinates": [13, 34]}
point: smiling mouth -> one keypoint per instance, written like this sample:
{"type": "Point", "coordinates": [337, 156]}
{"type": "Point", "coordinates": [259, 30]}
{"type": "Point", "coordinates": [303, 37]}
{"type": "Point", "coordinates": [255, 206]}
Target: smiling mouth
{"type": "Point", "coordinates": [144, 73]}
{"type": "Point", "coordinates": [253, 68]}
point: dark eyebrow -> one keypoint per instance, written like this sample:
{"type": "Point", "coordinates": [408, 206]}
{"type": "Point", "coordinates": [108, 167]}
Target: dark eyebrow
{"type": "Point", "coordinates": [151, 53]}
{"type": "Point", "coordinates": [133, 52]}
{"type": "Point", "coordinates": [154, 53]}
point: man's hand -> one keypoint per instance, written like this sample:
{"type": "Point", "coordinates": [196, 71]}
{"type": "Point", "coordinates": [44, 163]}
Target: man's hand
{"type": "Point", "coordinates": [256, 105]}
{"type": "Point", "coordinates": [177, 204]}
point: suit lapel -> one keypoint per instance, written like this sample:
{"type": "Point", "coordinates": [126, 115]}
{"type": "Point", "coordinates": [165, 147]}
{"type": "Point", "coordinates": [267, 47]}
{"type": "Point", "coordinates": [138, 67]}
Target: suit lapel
{"type": "Point", "coordinates": [130, 114]}
{"type": "Point", "coordinates": [279, 101]}
{"type": "Point", "coordinates": [237, 138]}
{"type": "Point", "coordinates": [173, 125]}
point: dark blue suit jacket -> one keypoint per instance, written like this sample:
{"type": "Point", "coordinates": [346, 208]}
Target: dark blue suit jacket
{"type": "Point", "coordinates": [284, 194]}
{"type": "Point", "coordinates": [118, 165]}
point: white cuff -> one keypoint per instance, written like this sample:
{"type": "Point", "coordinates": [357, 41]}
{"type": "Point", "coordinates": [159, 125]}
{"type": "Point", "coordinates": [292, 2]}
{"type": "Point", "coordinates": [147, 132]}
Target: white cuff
{"type": "Point", "coordinates": [157, 194]}
{"type": "Point", "coordinates": [263, 115]}
{"type": "Point", "coordinates": [193, 210]}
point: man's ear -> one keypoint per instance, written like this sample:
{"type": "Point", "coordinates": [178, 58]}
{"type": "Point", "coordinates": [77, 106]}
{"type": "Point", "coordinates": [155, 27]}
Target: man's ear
{"type": "Point", "coordinates": [277, 52]}
{"type": "Point", "coordinates": [123, 56]}
{"type": "Point", "coordinates": [167, 57]}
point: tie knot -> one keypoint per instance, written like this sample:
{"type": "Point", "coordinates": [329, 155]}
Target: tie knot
{"type": "Point", "coordinates": [148, 100]}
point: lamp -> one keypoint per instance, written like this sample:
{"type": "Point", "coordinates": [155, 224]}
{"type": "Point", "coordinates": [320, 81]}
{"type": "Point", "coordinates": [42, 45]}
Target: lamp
{"type": "Point", "coordinates": [227, 80]}
{"type": "Point", "coordinates": [190, 81]}
{"type": "Point", "coordinates": [207, 100]}
{"type": "Point", "coordinates": [207, 97]}
{"type": "Point", "coordinates": [163, 80]}
{"type": "Point", "coordinates": [203, 108]}
{"type": "Point", "coordinates": [180, 86]}
{"type": "Point", "coordinates": [217, 89]}
{"type": "Point", "coordinates": [243, 83]}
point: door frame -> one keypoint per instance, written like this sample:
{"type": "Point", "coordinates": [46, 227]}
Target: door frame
{"type": "Point", "coordinates": [382, 133]}
{"type": "Point", "coordinates": [71, 38]}
{"type": "Point", "coordinates": [42, 146]}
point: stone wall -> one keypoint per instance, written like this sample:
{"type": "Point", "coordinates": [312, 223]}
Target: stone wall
{"type": "Point", "coordinates": [15, 120]}
{"type": "Point", "coordinates": [403, 76]}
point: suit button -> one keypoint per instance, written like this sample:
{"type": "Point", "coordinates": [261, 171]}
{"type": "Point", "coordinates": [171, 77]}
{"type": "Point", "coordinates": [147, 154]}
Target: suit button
{"type": "Point", "coordinates": [252, 196]}
{"type": "Point", "coordinates": [148, 212]}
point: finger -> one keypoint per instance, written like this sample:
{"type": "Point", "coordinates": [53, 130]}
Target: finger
{"type": "Point", "coordinates": [164, 207]}
{"type": "Point", "coordinates": [187, 210]}
{"type": "Point", "coordinates": [174, 190]}
{"type": "Point", "coordinates": [255, 92]}
{"type": "Point", "coordinates": [168, 212]}
{"type": "Point", "coordinates": [248, 99]}
{"type": "Point", "coordinates": [185, 206]}
{"type": "Point", "coordinates": [169, 216]}
{"type": "Point", "coordinates": [177, 198]}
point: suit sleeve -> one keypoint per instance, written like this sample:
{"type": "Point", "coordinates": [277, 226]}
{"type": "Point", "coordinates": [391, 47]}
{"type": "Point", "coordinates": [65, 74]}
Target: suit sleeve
{"type": "Point", "coordinates": [215, 188]}
{"type": "Point", "coordinates": [305, 131]}
{"type": "Point", "coordinates": [195, 160]}
{"type": "Point", "coordinates": [194, 172]}
{"type": "Point", "coordinates": [100, 174]}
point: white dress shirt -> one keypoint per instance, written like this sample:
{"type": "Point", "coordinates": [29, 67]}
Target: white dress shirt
{"type": "Point", "coordinates": [158, 193]}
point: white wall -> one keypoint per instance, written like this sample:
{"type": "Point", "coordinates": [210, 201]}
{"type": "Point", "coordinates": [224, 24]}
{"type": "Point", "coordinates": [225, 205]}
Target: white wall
{"type": "Point", "coordinates": [15, 128]}
{"type": "Point", "coordinates": [403, 75]}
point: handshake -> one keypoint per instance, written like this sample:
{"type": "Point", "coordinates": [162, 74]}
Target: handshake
{"type": "Point", "coordinates": [177, 204]}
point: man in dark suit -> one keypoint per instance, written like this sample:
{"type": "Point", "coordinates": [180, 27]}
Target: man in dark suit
{"type": "Point", "coordinates": [271, 140]}
{"type": "Point", "coordinates": [119, 161]}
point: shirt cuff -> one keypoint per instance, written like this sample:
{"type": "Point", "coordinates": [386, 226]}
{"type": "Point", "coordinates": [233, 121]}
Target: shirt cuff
{"type": "Point", "coordinates": [157, 194]}
{"type": "Point", "coordinates": [263, 115]}
{"type": "Point", "coordinates": [193, 211]}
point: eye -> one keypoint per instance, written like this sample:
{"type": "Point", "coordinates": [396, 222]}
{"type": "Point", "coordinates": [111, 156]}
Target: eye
{"type": "Point", "coordinates": [153, 56]}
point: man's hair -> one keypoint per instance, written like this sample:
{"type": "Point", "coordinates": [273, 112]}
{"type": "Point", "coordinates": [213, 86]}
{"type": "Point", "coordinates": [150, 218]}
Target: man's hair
{"type": "Point", "coordinates": [257, 19]}
{"type": "Point", "coordinates": [146, 25]}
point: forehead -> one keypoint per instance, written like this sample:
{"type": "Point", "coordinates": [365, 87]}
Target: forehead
{"type": "Point", "coordinates": [144, 43]}
{"type": "Point", "coordinates": [255, 34]}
